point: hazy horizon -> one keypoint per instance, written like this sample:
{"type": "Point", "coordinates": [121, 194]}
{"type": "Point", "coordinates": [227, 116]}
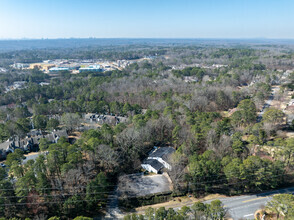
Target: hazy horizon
{"type": "Point", "coordinates": [172, 38]}
{"type": "Point", "coordinates": [212, 19]}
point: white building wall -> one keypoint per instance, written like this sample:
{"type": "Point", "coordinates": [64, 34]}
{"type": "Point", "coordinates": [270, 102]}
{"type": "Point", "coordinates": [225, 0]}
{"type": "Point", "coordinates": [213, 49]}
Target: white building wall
{"type": "Point", "coordinates": [165, 164]}
{"type": "Point", "coordinates": [149, 168]}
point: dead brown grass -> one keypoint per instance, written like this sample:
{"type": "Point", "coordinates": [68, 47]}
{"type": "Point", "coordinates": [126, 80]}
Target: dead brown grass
{"type": "Point", "coordinates": [179, 202]}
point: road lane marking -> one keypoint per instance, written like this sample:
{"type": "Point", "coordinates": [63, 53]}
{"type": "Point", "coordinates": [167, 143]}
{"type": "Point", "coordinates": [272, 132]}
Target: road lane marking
{"type": "Point", "coordinates": [254, 205]}
{"type": "Point", "coordinates": [248, 215]}
{"type": "Point", "coordinates": [250, 200]}
{"type": "Point", "coordinates": [234, 198]}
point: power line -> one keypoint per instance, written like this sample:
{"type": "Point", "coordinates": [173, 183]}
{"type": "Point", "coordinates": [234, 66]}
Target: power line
{"type": "Point", "coordinates": [40, 203]}
{"type": "Point", "coordinates": [106, 192]}
{"type": "Point", "coordinates": [233, 172]}
{"type": "Point", "coordinates": [83, 187]}
{"type": "Point", "coordinates": [212, 181]}
{"type": "Point", "coordinates": [60, 188]}
{"type": "Point", "coordinates": [60, 195]}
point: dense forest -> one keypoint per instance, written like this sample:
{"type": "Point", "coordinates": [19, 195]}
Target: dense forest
{"type": "Point", "coordinates": [209, 114]}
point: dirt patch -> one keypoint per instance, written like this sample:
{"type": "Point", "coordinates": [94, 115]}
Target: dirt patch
{"type": "Point", "coordinates": [290, 134]}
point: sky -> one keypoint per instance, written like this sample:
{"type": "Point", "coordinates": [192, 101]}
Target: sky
{"type": "Point", "coordinates": [146, 19]}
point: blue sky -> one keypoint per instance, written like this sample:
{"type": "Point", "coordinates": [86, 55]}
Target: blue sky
{"type": "Point", "coordinates": [147, 19]}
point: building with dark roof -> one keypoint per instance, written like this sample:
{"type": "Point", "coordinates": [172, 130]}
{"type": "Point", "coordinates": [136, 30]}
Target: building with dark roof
{"type": "Point", "coordinates": [30, 143]}
{"type": "Point", "coordinates": [6, 147]}
{"type": "Point", "coordinates": [158, 159]}
{"type": "Point", "coordinates": [151, 165]}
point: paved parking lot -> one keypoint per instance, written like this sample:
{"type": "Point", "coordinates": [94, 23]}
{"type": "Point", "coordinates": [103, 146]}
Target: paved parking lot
{"type": "Point", "coordinates": [139, 185]}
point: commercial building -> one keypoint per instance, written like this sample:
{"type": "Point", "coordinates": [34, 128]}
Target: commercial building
{"type": "Point", "coordinates": [92, 68]}
{"type": "Point", "coordinates": [58, 69]}
{"type": "Point", "coordinates": [20, 65]}
{"type": "Point", "coordinates": [41, 66]}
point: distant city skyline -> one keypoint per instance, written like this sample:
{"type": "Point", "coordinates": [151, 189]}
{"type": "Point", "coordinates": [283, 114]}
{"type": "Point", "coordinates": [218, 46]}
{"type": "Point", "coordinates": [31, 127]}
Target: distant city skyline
{"type": "Point", "coordinates": [241, 19]}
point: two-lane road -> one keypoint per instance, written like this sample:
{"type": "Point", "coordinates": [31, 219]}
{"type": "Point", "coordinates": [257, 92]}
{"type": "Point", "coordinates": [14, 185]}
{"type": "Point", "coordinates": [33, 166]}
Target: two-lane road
{"type": "Point", "coordinates": [268, 102]}
{"type": "Point", "coordinates": [244, 207]}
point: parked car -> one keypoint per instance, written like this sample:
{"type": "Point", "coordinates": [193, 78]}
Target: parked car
{"type": "Point", "coordinates": [2, 165]}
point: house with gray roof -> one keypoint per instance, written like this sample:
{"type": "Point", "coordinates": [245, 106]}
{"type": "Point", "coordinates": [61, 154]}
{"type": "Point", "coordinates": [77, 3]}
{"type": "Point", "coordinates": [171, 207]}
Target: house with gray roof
{"type": "Point", "coordinates": [30, 143]}
{"type": "Point", "coordinates": [158, 159]}
{"type": "Point", "coordinates": [104, 118]}
{"type": "Point", "coordinates": [6, 147]}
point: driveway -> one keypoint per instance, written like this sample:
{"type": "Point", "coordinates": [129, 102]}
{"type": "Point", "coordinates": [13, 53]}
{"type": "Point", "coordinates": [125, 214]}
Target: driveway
{"type": "Point", "coordinates": [32, 156]}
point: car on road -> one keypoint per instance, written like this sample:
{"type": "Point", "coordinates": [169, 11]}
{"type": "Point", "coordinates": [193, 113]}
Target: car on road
{"type": "Point", "coordinates": [2, 165]}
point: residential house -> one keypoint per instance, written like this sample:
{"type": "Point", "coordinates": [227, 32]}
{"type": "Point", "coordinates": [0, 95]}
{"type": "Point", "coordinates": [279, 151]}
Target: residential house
{"type": "Point", "coordinates": [102, 119]}
{"type": "Point", "coordinates": [152, 165]}
{"type": "Point", "coordinates": [30, 143]}
{"type": "Point", "coordinates": [158, 159]}
{"type": "Point", "coordinates": [6, 147]}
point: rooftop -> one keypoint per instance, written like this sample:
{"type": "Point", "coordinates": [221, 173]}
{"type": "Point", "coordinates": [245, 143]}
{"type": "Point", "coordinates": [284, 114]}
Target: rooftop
{"type": "Point", "coordinates": [58, 68]}
{"type": "Point", "coordinates": [162, 152]}
{"type": "Point", "coordinates": [90, 67]}
{"type": "Point", "coordinates": [5, 145]}
{"type": "Point", "coordinates": [154, 163]}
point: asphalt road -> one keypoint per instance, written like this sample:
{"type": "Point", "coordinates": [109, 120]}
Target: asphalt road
{"type": "Point", "coordinates": [244, 207]}
{"type": "Point", "coordinates": [31, 157]}
{"type": "Point", "coordinates": [267, 103]}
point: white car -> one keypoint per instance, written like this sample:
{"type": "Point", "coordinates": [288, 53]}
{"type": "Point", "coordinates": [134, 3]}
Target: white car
{"type": "Point", "coordinates": [2, 165]}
